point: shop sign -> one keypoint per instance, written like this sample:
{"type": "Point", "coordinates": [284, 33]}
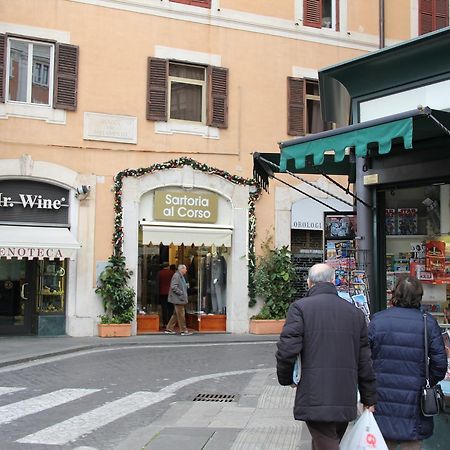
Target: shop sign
{"type": "Point", "coordinates": [30, 253]}
{"type": "Point", "coordinates": [32, 202]}
{"type": "Point", "coordinates": [182, 206]}
{"type": "Point", "coordinates": [307, 214]}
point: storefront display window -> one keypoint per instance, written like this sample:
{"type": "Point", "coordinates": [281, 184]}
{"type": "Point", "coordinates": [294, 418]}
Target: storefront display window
{"type": "Point", "coordinates": [206, 278]}
{"type": "Point", "coordinates": [51, 286]}
{"type": "Point", "coordinates": [417, 225]}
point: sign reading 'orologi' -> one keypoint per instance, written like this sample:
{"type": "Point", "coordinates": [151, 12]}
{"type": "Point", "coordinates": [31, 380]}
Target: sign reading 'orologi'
{"type": "Point", "coordinates": [181, 206]}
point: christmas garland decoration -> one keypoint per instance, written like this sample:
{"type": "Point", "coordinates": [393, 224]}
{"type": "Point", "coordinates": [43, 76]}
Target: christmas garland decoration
{"type": "Point", "coordinates": [117, 240]}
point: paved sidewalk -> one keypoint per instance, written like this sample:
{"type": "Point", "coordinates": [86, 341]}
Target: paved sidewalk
{"type": "Point", "coordinates": [259, 419]}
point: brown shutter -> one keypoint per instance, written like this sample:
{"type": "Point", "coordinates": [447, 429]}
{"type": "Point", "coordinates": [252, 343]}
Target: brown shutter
{"type": "Point", "coordinates": [3, 70]}
{"type": "Point", "coordinates": [204, 3]}
{"type": "Point", "coordinates": [157, 73]}
{"type": "Point", "coordinates": [441, 14]}
{"type": "Point", "coordinates": [217, 97]}
{"type": "Point", "coordinates": [312, 13]}
{"type": "Point", "coordinates": [66, 77]}
{"type": "Point", "coordinates": [296, 107]}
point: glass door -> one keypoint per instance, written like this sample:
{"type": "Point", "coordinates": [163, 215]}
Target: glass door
{"type": "Point", "coordinates": [16, 295]}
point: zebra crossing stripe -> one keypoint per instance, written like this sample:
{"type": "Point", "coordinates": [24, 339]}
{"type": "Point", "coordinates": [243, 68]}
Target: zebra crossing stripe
{"type": "Point", "coordinates": [8, 390]}
{"type": "Point", "coordinates": [71, 429]}
{"type": "Point", "coordinates": [14, 411]}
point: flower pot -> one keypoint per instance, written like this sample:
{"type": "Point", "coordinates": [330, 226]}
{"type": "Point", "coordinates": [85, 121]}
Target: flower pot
{"type": "Point", "coordinates": [147, 323]}
{"type": "Point", "coordinates": [114, 329]}
{"type": "Point", "coordinates": [266, 326]}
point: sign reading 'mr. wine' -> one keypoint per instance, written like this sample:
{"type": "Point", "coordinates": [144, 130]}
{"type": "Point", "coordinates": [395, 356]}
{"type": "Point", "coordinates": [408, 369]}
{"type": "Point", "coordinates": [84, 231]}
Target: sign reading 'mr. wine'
{"type": "Point", "coordinates": [181, 206]}
{"type": "Point", "coordinates": [30, 202]}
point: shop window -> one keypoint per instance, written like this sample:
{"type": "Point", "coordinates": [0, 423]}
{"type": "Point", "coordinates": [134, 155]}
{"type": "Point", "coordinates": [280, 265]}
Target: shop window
{"type": "Point", "coordinates": [187, 92]}
{"type": "Point", "coordinates": [321, 13]}
{"type": "Point", "coordinates": [202, 3]}
{"type": "Point", "coordinates": [433, 15]}
{"type": "Point", "coordinates": [304, 116]}
{"type": "Point", "coordinates": [417, 229]}
{"type": "Point", "coordinates": [51, 287]}
{"type": "Point", "coordinates": [39, 73]}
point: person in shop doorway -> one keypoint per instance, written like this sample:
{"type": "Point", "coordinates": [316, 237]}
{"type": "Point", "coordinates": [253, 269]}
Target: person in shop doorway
{"type": "Point", "coordinates": [396, 337]}
{"type": "Point", "coordinates": [330, 336]}
{"type": "Point", "coordinates": [164, 278]}
{"type": "Point", "coordinates": [178, 295]}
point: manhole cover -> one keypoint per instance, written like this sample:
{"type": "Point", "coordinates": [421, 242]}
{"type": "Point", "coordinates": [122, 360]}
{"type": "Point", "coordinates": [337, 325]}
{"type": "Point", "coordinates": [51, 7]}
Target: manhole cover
{"type": "Point", "coordinates": [215, 398]}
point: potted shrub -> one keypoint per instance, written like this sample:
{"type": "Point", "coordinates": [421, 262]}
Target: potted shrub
{"type": "Point", "coordinates": [274, 284]}
{"type": "Point", "coordinates": [118, 299]}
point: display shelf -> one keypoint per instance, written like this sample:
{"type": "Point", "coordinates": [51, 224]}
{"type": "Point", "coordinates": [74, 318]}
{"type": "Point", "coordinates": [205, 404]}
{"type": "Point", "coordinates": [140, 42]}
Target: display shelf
{"type": "Point", "coordinates": [407, 236]}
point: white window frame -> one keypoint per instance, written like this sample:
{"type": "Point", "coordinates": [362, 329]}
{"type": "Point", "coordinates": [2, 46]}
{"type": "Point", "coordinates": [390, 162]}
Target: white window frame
{"type": "Point", "coordinates": [31, 44]}
{"type": "Point", "coordinates": [190, 57]}
{"type": "Point", "coordinates": [201, 83]}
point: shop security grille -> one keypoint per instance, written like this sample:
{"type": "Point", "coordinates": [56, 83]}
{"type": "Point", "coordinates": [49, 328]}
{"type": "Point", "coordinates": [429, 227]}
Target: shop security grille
{"type": "Point", "coordinates": [221, 398]}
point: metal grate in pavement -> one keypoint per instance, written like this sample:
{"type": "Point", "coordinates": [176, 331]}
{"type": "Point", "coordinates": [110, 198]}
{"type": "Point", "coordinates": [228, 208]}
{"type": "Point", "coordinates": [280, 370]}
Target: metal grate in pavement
{"type": "Point", "coordinates": [221, 398]}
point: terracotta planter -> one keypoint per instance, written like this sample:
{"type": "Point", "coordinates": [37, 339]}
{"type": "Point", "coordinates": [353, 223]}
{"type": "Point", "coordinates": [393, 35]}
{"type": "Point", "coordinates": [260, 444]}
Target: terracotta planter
{"type": "Point", "coordinates": [206, 322]}
{"type": "Point", "coordinates": [114, 329]}
{"type": "Point", "coordinates": [266, 326]}
{"type": "Point", "coordinates": [147, 323]}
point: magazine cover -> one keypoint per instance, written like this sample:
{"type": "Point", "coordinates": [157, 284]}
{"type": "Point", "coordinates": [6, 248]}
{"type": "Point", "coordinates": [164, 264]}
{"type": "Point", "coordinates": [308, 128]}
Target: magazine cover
{"type": "Point", "coordinates": [435, 256]}
{"type": "Point", "coordinates": [407, 221]}
{"type": "Point", "coordinates": [340, 226]}
{"type": "Point", "coordinates": [391, 225]}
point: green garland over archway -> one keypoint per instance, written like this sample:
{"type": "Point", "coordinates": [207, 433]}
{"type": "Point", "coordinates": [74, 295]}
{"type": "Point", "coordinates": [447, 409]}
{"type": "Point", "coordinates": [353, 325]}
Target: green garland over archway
{"type": "Point", "coordinates": [180, 162]}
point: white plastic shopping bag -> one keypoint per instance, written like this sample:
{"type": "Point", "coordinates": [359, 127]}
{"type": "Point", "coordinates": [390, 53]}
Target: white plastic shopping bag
{"type": "Point", "coordinates": [364, 435]}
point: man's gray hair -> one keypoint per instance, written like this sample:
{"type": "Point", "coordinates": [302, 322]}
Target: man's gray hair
{"type": "Point", "coordinates": [181, 266]}
{"type": "Point", "coordinates": [320, 273]}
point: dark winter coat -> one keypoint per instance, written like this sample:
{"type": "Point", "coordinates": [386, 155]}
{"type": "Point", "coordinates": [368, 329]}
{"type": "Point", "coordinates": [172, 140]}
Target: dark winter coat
{"type": "Point", "coordinates": [397, 341]}
{"type": "Point", "coordinates": [331, 336]}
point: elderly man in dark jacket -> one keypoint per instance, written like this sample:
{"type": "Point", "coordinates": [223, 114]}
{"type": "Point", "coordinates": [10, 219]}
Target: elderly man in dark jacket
{"type": "Point", "coordinates": [330, 335]}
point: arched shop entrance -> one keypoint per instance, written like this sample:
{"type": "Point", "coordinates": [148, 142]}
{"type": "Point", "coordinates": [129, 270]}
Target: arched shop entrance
{"type": "Point", "coordinates": [180, 215]}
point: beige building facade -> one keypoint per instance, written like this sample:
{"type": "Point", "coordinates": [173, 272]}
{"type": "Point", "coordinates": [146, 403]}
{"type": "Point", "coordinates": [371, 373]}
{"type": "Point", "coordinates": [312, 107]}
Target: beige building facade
{"type": "Point", "coordinates": [169, 98]}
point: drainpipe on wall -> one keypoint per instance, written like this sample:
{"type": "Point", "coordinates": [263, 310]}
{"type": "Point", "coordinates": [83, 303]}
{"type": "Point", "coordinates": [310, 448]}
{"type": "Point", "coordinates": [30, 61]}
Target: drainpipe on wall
{"type": "Point", "coordinates": [381, 32]}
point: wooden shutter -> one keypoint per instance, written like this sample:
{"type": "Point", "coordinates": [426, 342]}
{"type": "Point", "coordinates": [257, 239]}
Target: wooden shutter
{"type": "Point", "coordinates": [202, 3]}
{"type": "Point", "coordinates": [3, 70]}
{"type": "Point", "coordinates": [312, 13]}
{"type": "Point", "coordinates": [157, 75]}
{"type": "Point", "coordinates": [296, 107]}
{"type": "Point", "coordinates": [217, 81]}
{"type": "Point", "coordinates": [433, 15]}
{"type": "Point", "coordinates": [441, 14]}
{"type": "Point", "coordinates": [66, 77]}
{"type": "Point", "coordinates": [338, 21]}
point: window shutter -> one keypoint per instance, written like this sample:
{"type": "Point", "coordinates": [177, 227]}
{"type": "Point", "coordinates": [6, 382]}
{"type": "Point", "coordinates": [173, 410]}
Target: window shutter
{"type": "Point", "coordinates": [312, 13]}
{"type": "Point", "coordinates": [296, 107]}
{"type": "Point", "coordinates": [441, 14]}
{"type": "Point", "coordinates": [2, 67]}
{"type": "Point", "coordinates": [217, 97]}
{"type": "Point", "coordinates": [66, 77]}
{"type": "Point", "coordinates": [204, 3]}
{"type": "Point", "coordinates": [157, 73]}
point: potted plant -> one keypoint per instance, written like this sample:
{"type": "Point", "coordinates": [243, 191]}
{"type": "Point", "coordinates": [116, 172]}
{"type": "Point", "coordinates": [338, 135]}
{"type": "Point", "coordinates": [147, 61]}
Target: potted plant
{"type": "Point", "coordinates": [118, 299]}
{"type": "Point", "coordinates": [274, 277]}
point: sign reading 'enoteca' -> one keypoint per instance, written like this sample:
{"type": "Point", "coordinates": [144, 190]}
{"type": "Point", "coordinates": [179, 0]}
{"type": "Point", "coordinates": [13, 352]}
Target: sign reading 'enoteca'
{"type": "Point", "coordinates": [182, 206]}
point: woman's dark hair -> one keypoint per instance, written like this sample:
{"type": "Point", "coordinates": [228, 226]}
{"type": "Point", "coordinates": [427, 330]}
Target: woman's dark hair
{"type": "Point", "coordinates": [407, 293]}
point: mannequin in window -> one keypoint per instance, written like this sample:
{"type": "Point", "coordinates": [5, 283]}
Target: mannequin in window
{"type": "Point", "coordinates": [164, 277]}
{"type": "Point", "coordinates": [218, 281]}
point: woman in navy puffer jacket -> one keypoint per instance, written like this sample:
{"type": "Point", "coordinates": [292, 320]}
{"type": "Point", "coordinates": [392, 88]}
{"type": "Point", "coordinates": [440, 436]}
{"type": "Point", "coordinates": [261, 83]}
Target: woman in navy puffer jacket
{"type": "Point", "coordinates": [396, 337]}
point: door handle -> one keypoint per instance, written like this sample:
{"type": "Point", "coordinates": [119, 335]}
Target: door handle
{"type": "Point", "coordinates": [22, 291]}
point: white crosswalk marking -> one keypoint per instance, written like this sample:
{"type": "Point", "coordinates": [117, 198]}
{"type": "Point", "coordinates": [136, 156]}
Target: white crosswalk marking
{"type": "Point", "coordinates": [14, 411]}
{"type": "Point", "coordinates": [71, 429]}
{"type": "Point", "coordinates": [8, 390]}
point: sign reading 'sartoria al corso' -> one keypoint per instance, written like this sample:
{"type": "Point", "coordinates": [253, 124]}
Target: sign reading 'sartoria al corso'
{"type": "Point", "coordinates": [181, 206]}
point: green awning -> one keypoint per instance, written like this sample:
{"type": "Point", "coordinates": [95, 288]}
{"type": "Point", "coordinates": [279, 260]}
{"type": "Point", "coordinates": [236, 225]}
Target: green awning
{"type": "Point", "coordinates": [380, 134]}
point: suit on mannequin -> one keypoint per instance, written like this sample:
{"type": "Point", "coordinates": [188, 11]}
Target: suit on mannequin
{"type": "Point", "coordinates": [218, 282]}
